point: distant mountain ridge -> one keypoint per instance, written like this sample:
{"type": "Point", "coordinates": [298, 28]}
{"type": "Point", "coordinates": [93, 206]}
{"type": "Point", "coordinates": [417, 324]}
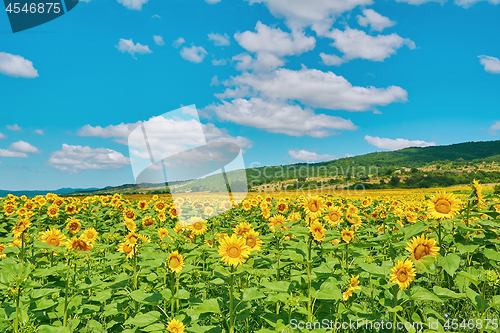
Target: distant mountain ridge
{"type": "Point", "coordinates": [33, 193]}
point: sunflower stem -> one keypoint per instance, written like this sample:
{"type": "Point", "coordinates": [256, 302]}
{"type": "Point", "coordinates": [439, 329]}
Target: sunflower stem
{"type": "Point", "coordinates": [66, 295]}
{"type": "Point", "coordinates": [309, 303]}
{"type": "Point", "coordinates": [16, 322]}
{"type": "Point", "coordinates": [395, 293]}
{"type": "Point", "coordinates": [231, 310]}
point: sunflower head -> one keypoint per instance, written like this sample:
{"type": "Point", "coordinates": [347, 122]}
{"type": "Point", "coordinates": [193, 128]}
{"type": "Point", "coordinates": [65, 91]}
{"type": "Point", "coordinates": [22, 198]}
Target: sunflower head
{"type": "Point", "coordinates": [52, 237]}
{"type": "Point", "coordinates": [233, 250]}
{"type": "Point", "coordinates": [175, 262]}
{"type": "Point", "coordinates": [347, 235]}
{"type": "Point", "coordinates": [242, 228]}
{"type": "Point", "coordinates": [403, 273]}
{"type": "Point", "coordinates": [79, 244]}
{"type": "Point", "coordinates": [90, 234]}
{"type": "Point", "coordinates": [175, 326]}
{"type": "Point", "coordinates": [314, 206]}
{"type": "Point", "coordinates": [317, 231]}
{"type": "Point", "coordinates": [421, 246]}
{"type": "Point", "coordinates": [252, 240]}
{"type": "Point", "coordinates": [443, 206]}
{"type": "Point", "coordinates": [73, 226]}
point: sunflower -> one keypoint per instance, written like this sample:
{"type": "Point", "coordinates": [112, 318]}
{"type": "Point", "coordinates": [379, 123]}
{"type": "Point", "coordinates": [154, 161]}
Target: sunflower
{"type": "Point", "coordinates": [276, 221]}
{"type": "Point", "coordinates": [318, 231]}
{"type": "Point", "coordinates": [132, 238]}
{"type": "Point", "coordinates": [233, 250]}
{"type": "Point", "coordinates": [22, 211]}
{"type": "Point", "coordinates": [73, 226]}
{"type": "Point", "coordinates": [209, 211]}
{"type": "Point", "coordinates": [142, 205]}
{"type": "Point", "coordinates": [334, 216]}
{"type": "Point", "coordinates": [282, 207]}
{"type": "Point", "coordinates": [22, 225]}
{"type": "Point", "coordinates": [160, 206]}
{"type": "Point", "coordinates": [422, 246]}
{"type": "Point", "coordinates": [2, 255]}
{"type": "Point", "coordinates": [478, 194]}
{"type": "Point", "coordinates": [252, 241]}
{"type": "Point", "coordinates": [246, 205]}
{"type": "Point", "coordinates": [354, 283]}
{"type": "Point", "coordinates": [162, 232]}
{"type": "Point", "coordinates": [242, 228]}
{"type": "Point", "coordinates": [90, 234]}
{"type": "Point", "coordinates": [53, 211]}
{"type": "Point", "coordinates": [147, 221]}
{"type": "Point", "coordinates": [347, 235]}
{"type": "Point", "coordinates": [314, 206]}
{"type": "Point", "coordinates": [129, 215]}
{"type": "Point", "coordinates": [443, 206]}
{"type": "Point", "coordinates": [198, 228]}
{"type": "Point", "coordinates": [346, 294]}
{"type": "Point", "coordinates": [52, 237]}
{"type": "Point", "coordinates": [70, 209]}
{"type": "Point", "coordinates": [131, 226]}
{"type": "Point", "coordinates": [295, 216]}
{"type": "Point", "coordinates": [174, 213]}
{"type": "Point", "coordinates": [162, 217]}
{"type": "Point", "coordinates": [403, 273]}
{"type": "Point", "coordinates": [411, 216]}
{"type": "Point", "coordinates": [126, 248]}
{"type": "Point", "coordinates": [175, 262]}
{"type": "Point", "coordinates": [175, 326]}
{"type": "Point", "coordinates": [79, 244]}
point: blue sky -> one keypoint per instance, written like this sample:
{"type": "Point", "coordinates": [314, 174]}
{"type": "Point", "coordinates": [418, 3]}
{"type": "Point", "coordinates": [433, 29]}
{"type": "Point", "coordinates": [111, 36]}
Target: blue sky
{"type": "Point", "coordinates": [288, 80]}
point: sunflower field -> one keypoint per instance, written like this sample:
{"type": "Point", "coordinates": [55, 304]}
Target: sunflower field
{"type": "Point", "coordinates": [268, 264]}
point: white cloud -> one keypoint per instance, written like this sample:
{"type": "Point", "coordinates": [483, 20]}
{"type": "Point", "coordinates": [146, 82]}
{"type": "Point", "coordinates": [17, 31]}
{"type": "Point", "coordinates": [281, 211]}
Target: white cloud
{"type": "Point", "coordinates": [309, 156]}
{"type": "Point", "coordinates": [156, 16]}
{"type": "Point", "coordinates": [264, 62]}
{"type": "Point", "coordinates": [275, 41]}
{"type": "Point", "coordinates": [316, 89]}
{"type": "Point", "coordinates": [178, 42]}
{"type": "Point", "coordinates": [14, 127]}
{"type": "Point", "coordinates": [375, 20]}
{"type": "Point", "coordinates": [219, 62]}
{"type": "Point", "coordinates": [133, 4]}
{"type": "Point", "coordinates": [2, 136]}
{"type": "Point", "coordinates": [331, 59]}
{"type": "Point", "coordinates": [77, 158]}
{"type": "Point", "coordinates": [390, 144]}
{"type": "Point", "coordinates": [159, 40]}
{"type": "Point", "coordinates": [420, 2]}
{"type": "Point", "coordinates": [491, 64]}
{"type": "Point", "coordinates": [112, 131]}
{"type": "Point", "coordinates": [169, 134]}
{"type": "Point", "coordinates": [279, 117]}
{"type": "Point", "coordinates": [38, 131]}
{"type": "Point", "coordinates": [218, 39]}
{"type": "Point", "coordinates": [318, 14]}
{"type": "Point", "coordinates": [23, 147]}
{"type": "Point", "coordinates": [213, 1]}
{"type": "Point", "coordinates": [270, 45]}
{"type": "Point", "coordinates": [494, 128]}
{"type": "Point", "coordinates": [127, 45]}
{"type": "Point", "coordinates": [194, 54]}
{"type": "Point", "coordinates": [214, 82]}
{"type": "Point", "coordinates": [16, 66]}
{"type": "Point", "coordinates": [470, 3]}
{"type": "Point", "coordinates": [8, 153]}
{"type": "Point", "coordinates": [358, 44]}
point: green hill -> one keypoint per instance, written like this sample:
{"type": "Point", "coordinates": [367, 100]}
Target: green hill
{"type": "Point", "coordinates": [406, 168]}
